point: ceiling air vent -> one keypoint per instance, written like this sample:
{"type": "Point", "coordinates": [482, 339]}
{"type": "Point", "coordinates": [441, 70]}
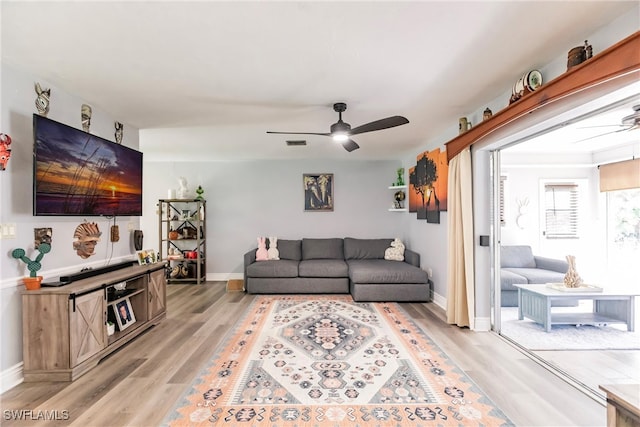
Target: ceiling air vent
{"type": "Point", "coordinates": [296, 142]}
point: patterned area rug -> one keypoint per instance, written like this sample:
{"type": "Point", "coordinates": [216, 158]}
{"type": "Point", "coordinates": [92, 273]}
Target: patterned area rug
{"type": "Point", "coordinates": [328, 361]}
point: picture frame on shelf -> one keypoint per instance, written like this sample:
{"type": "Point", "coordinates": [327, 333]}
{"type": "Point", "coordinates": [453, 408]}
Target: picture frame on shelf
{"type": "Point", "coordinates": [146, 256]}
{"type": "Point", "coordinates": [124, 313]}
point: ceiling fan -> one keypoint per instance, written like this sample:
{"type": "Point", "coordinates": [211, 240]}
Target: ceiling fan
{"type": "Point", "coordinates": [342, 132]}
{"type": "Point", "coordinates": [627, 123]}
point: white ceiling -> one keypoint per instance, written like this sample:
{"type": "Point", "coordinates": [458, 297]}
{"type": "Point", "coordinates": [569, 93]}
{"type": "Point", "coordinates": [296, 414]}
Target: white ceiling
{"type": "Point", "coordinates": [208, 79]}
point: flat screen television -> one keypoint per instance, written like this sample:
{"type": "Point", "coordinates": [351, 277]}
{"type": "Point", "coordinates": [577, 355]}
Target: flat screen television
{"type": "Point", "coordinates": [79, 174]}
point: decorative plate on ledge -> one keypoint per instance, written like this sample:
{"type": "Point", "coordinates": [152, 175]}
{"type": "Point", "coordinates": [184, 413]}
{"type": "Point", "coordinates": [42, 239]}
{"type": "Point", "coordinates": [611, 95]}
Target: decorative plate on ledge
{"type": "Point", "coordinates": [533, 80]}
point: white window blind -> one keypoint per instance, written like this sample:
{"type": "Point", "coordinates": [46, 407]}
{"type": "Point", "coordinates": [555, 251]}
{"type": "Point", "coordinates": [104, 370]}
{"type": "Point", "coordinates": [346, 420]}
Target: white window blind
{"type": "Point", "coordinates": [561, 211]}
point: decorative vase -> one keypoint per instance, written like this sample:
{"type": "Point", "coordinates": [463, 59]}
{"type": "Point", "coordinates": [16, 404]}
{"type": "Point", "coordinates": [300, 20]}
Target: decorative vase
{"type": "Point", "coordinates": [32, 283]}
{"type": "Point", "coordinates": [400, 180]}
{"type": "Point", "coordinates": [199, 192]}
{"type": "Point", "coordinates": [572, 279]}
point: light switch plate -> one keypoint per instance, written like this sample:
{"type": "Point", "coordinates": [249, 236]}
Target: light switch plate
{"type": "Point", "coordinates": [8, 231]}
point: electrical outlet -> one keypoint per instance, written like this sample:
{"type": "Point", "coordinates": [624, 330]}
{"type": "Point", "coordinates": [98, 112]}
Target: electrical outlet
{"type": "Point", "coordinates": [130, 226]}
{"type": "Point", "coordinates": [430, 273]}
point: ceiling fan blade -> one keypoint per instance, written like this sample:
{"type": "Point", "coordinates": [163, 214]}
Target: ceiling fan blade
{"type": "Point", "coordinates": [604, 126]}
{"type": "Point", "coordinates": [600, 135]}
{"type": "Point", "coordinates": [300, 133]}
{"type": "Point", "coordinates": [389, 122]}
{"type": "Point", "coordinates": [350, 145]}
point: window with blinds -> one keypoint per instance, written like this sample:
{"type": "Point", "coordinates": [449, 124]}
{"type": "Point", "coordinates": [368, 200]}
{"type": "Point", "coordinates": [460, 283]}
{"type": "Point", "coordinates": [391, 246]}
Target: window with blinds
{"type": "Point", "coordinates": [561, 210]}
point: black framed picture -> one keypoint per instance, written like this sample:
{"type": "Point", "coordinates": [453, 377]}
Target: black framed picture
{"type": "Point", "coordinates": [124, 314]}
{"type": "Point", "coordinates": [318, 192]}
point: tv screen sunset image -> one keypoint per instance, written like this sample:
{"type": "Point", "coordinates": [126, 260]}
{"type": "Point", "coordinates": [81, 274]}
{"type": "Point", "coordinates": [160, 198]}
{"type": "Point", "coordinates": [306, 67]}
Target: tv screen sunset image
{"type": "Point", "coordinates": [76, 173]}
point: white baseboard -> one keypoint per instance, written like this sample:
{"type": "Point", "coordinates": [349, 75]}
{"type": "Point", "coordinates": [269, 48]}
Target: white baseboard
{"type": "Point", "coordinates": [11, 377]}
{"type": "Point", "coordinates": [483, 324]}
{"type": "Point", "coordinates": [440, 301]}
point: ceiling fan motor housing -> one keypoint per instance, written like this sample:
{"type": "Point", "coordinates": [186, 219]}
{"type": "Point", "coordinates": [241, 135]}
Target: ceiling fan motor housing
{"type": "Point", "coordinates": [340, 127]}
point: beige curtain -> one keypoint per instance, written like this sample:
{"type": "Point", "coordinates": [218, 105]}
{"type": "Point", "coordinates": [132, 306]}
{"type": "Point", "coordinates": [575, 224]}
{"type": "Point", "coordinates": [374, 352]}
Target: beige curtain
{"type": "Point", "coordinates": [460, 284]}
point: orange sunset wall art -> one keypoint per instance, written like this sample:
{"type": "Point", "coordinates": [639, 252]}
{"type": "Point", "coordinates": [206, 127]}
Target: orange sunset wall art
{"type": "Point", "coordinates": [428, 183]}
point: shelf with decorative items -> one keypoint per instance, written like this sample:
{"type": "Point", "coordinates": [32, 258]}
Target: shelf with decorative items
{"type": "Point", "coordinates": [399, 189]}
{"type": "Point", "coordinates": [182, 235]}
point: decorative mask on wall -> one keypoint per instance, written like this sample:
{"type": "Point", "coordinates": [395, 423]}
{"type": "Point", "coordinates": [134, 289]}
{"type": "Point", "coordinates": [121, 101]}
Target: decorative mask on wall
{"type": "Point", "coordinates": [5, 151]}
{"type": "Point", "coordinates": [42, 101]}
{"type": "Point", "coordinates": [87, 236]}
{"type": "Point", "coordinates": [85, 115]}
{"type": "Point", "coordinates": [119, 132]}
{"type": "Point", "coordinates": [42, 235]}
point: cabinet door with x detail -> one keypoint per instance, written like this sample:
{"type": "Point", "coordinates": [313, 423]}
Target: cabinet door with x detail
{"type": "Point", "coordinates": [86, 326]}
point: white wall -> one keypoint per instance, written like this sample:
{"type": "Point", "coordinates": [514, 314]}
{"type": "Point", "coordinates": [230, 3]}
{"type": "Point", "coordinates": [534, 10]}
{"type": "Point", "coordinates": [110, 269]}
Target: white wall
{"type": "Point", "coordinates": [589, 248]}
{"type": "Point", "coordinates": [247, 199]}
{"type": "Point", "coordinates": [16, 184]}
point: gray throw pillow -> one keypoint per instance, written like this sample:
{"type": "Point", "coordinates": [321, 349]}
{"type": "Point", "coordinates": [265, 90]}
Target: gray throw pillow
{"type": "Point", "coordinates": [290, 249]}
{"type": "Point", "coordinates": [365, 248]}
{"type": "Point", "coordinates": [322, 249]}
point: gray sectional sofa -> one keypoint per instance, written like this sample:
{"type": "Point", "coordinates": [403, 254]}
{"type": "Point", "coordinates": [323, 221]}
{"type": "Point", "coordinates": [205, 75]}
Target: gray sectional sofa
{"type": "Point", "coordinates": [519, 266]}
{"type": "Point", "coordinates": [341, 266]}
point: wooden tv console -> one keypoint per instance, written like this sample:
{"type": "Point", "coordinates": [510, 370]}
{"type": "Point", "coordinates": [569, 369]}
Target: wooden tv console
{"type": "Point", "coordinates": [65, 328]}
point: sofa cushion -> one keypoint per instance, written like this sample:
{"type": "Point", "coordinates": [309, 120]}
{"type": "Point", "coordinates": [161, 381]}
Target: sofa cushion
{"type": "Point", "coordinates": [538, 275]}
{"type": "Point", "coordinates": [323, 268]}
{"type": "Point", "coordinates": [383, 271]}
{"type": "Point", "coordinates": [365, 248]}
{"type": "Point", "coordinates": [509, 278]}
{"type": "Point", "coordinates": [272, 268]}
{"type": "Point", "coordinates": [517, 256]}
{"type": "Point", "coordinates": [322, 249]}
{"type": "Point", "coordinates": [290, 249]}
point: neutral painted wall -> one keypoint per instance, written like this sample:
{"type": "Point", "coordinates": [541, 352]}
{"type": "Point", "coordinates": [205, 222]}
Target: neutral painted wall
{"type": "Point", "coordinates": [16, 184]}
{"type": "Point", "coordinates": [248, 199]}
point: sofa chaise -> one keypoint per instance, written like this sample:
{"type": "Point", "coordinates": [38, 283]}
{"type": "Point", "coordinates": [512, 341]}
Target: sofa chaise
{"type": "Point", "coordinates": [518, 266]}
{"type": "Point", "coordinates": [341, 266]}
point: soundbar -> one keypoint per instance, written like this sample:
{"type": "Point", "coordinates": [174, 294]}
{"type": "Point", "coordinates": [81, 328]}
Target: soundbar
{"type": "Point", "coordinates": [65, 280]}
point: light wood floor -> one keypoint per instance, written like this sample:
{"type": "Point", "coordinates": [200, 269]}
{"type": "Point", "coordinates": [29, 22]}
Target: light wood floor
{"type": "Point", "coordinates": [138, 384]}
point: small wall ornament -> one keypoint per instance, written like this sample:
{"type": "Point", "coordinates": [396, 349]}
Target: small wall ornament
{"type": "Point", "coordinates": [119, 132]}
{"type": "Point", "coordinates": [42, 101]}
{"type": "Point", "coordinates": [85, 116]}
{"type": "Point", "coordinates": [5, 151]}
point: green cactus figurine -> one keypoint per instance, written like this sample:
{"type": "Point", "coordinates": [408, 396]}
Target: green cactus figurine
{"type": "Point", "coordinates": [32, 266]}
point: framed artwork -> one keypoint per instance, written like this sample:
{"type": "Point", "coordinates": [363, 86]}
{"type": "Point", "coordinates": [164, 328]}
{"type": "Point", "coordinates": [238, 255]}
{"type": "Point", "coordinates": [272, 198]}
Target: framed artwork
{"type": "Point", "coordinates": [124, 314]}
{"type": "Point", "coordinates": [318, 192]}
{"type": "Point", "coordinates": [146, 256]}
{"type": "Point", "coordinates": [429, 183]}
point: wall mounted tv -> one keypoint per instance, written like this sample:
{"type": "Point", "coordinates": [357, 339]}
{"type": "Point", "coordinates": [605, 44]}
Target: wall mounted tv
{"type": "Point", "coordinates": [76, 173]}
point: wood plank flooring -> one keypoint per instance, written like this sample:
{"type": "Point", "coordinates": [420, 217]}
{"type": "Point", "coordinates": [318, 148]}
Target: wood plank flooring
{"type": "Point", "coordinates": [138, 384]}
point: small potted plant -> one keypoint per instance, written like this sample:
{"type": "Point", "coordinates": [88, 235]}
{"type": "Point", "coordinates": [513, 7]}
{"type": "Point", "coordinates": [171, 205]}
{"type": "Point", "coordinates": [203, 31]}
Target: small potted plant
{"type": "Point", "coordinates": [111, 328]}
{"type": "Point", "coordinates": [33, 281]}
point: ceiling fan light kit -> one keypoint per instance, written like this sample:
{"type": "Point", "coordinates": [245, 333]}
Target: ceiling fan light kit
{"type": "Point", "coordinates": [342, 132]}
